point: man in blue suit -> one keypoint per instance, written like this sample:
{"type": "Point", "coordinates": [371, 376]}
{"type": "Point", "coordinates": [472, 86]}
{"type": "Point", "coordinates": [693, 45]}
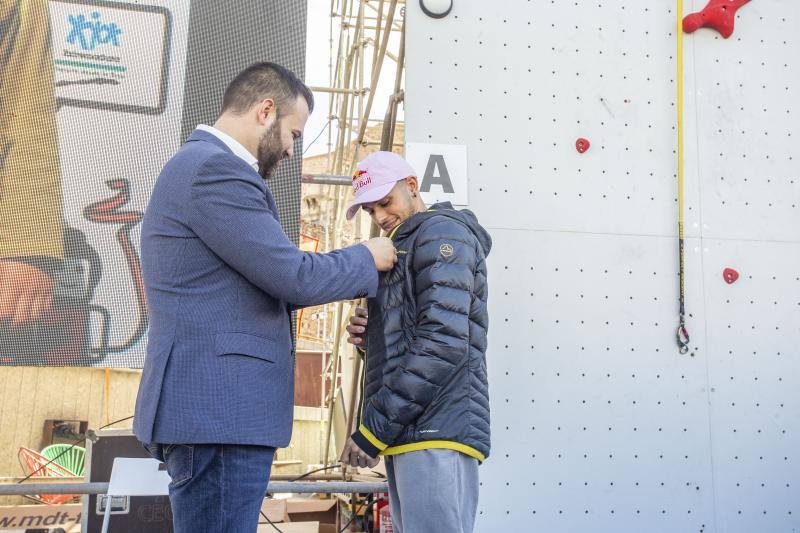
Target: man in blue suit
{"type": "Point", "coordinates": [216, 395]}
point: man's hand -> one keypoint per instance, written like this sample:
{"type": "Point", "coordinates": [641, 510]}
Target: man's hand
{"type": "Point", "coordinates": [358, 327]}
{"type": "Point", "coordinates": [25, 292]}
{"type": "Point", "coordinates": [383, 252]}
{"type": "Point", "coordinates": [355, 456]}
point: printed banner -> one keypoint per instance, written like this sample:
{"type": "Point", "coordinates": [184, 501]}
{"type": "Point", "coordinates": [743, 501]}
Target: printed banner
{"type": "Point", "coordinates": [111, 55]}
{"type": "Point", "coordinates": [95, 97]}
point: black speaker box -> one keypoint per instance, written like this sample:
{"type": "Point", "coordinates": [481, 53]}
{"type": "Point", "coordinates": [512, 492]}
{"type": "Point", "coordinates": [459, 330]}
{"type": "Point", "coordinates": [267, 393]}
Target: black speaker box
{"type": "Point", "coordinates": [128, 514]}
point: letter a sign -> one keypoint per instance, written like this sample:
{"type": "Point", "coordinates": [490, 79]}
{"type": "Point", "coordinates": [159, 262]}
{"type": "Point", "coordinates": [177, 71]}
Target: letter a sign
{"type": "Point", "coordinates": [441, 170]}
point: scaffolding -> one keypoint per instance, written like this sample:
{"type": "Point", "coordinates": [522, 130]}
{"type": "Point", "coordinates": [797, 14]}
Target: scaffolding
{"type": "Point", "coordinates": [357, 63]}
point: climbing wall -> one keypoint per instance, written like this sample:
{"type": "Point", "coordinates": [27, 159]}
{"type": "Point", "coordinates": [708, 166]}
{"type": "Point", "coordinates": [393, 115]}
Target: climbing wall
{"type": "Point", "coordinates": [742, 99]}
{"type": "Point", "coordinates": [599, 424]}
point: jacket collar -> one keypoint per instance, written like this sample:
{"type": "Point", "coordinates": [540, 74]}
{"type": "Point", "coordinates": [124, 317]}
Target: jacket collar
{"type": "Point", "coordinates": [233, 145]}
{"type": "Point", "coordinates": [200, 135]}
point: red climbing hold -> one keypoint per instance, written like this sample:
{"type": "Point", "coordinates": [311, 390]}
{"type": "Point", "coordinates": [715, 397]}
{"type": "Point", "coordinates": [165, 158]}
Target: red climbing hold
{"type": "Point", "coordinates": [730, 275]}
{"type": "Point", "coordinates": [718, 14]}
{"type": "Point", "coordinates": [582, 145]}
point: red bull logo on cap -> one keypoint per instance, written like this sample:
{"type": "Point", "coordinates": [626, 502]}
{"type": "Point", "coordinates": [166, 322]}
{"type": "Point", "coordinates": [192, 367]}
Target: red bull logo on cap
{"type": "Point", "coordinates": [361, 179]}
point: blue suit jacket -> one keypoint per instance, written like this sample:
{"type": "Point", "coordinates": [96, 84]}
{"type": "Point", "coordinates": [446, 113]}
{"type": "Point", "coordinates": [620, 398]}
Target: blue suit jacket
{"type": "Point", "coordinates": [221, 276]}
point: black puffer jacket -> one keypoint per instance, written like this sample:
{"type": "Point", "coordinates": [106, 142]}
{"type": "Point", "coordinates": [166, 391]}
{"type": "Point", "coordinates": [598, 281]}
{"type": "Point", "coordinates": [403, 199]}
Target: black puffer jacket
{"type": "Point", "coordinates": [425, 383]}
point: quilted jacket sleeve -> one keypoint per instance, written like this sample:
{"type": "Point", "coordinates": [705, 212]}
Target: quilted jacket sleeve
{"type": "Point", "coordinates": [443, 267]}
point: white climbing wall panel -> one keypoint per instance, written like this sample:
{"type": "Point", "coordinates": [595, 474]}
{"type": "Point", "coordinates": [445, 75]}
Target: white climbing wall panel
{"type": "Point", "coordinates": [598, 423]}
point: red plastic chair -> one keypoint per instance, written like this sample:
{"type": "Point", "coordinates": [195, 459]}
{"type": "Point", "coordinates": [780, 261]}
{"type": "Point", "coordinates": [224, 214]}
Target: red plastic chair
{"type": "Point", "coordinates": [40, 466]}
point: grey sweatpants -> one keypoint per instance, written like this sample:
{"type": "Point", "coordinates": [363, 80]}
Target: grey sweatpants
{"type": "Point", "coordinates": [432, 490]}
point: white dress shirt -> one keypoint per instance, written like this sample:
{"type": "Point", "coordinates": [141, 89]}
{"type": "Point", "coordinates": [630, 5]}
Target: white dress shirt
{"type": "Point", "coordinates": [235, 146]}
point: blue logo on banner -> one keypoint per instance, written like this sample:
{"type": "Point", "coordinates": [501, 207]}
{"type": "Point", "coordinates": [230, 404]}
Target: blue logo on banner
{"type": "Point", "coordinates": [90, 34]}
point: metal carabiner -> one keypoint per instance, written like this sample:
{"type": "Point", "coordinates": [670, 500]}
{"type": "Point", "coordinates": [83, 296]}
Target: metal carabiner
{"type": "Point", "coordinates": [682, 336]}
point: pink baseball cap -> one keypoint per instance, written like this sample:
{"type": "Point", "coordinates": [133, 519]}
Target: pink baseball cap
{"type": "Point", "coordinates": [375, 177]}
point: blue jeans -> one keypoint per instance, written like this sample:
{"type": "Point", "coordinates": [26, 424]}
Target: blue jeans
{"type": "Point", "coordinates": [215, 488]}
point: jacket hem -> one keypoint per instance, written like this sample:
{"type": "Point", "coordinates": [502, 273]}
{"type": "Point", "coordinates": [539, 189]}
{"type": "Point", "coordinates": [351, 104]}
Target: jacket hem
{"type": "Point", "coordinates": [429, 444]}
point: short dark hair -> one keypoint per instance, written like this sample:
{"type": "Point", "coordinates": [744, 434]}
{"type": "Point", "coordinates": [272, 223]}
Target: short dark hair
{"type": "Point", "coordinates": [265, 80]}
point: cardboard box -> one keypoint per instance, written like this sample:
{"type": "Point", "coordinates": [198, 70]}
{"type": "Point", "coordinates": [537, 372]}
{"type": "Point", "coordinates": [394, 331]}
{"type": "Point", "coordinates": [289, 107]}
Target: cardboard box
{"type": "Point", "coordinates": [292, 527]}
{"type": "Point", "coordinates": [300, 515]}
{"type": "Point", "coordinates": [312, 510]}
{"type": "Point", "coordinates": [275, 511]}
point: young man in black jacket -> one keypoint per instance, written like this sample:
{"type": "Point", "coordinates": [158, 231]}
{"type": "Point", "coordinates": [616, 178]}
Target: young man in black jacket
{"type": "Point", "coordinates": [425, 402]}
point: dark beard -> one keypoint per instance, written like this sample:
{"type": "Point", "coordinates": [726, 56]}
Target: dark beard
{"type": "Point", "coordinates": [270, 151]}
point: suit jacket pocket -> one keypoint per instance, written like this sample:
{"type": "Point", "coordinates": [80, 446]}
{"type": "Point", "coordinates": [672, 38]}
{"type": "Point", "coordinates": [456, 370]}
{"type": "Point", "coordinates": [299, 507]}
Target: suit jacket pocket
{"type": "Point", "coordinates": [237, 343]}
